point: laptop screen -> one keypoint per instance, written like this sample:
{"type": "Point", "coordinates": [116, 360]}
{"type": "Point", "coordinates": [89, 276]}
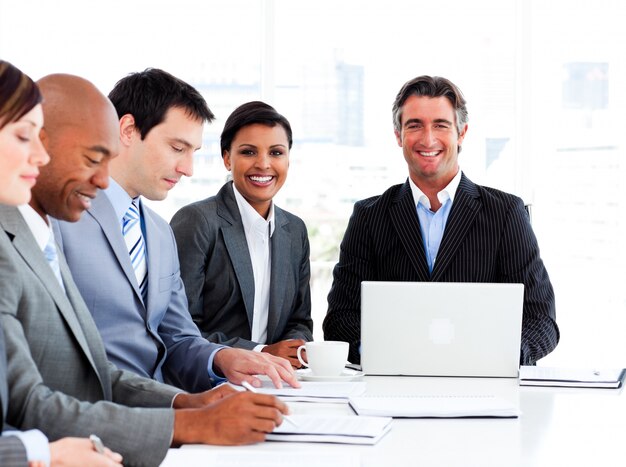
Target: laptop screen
{"type": "Point", "coordinates": [441, 329]}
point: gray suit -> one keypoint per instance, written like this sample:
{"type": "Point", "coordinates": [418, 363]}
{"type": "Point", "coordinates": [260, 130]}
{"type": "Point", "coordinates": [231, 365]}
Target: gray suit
{"type": "Point", "coordinates": [159, 341]}
{"type": "Point", "coordinates": [217, 271]}
{"type": "Point", "coordinates": [12, 450]}
{"type": "Point", "coordinates": [60, 380]}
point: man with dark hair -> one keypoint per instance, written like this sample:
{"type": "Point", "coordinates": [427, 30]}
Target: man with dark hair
{"type": "Point", "coordinates": [123, 256]}
{"type": "Point", "coordinates": [439, 226]}
{"type": "Point", "coordinates": [59, 378]}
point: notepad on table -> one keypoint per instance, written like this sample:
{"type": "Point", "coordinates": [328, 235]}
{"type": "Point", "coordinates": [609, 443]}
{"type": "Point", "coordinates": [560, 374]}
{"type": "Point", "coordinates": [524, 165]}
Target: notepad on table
{"type": "Point", "coordinates": [332, 429]}
{"type": "Point", "coordinates": [434, 406]}
{"type": "Point", "coordinates": [570, 377]}
{"type": "Point", "coordinates": [315, 391]}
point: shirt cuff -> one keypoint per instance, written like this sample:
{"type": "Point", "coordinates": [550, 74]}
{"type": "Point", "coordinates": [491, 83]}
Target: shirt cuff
{"type": "Point", "coordinates": [259, 347]}
{"type": "Point", "coordinates": [35, 442]}
{"type": "Point", "coordinates": [215, 379]}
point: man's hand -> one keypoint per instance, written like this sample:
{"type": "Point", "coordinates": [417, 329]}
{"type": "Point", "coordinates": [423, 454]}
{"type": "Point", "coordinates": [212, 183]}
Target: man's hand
{"type": "Point", "coordinates": [80, 452]}
{"type": "Point", "coordinates": [239, 365]}
{"type": "Point", "coordinates": [242, 418]}
{"type": "Point", "coordinates": [201, 399]}
{"type": "Point", "coordinates": [287, 349]}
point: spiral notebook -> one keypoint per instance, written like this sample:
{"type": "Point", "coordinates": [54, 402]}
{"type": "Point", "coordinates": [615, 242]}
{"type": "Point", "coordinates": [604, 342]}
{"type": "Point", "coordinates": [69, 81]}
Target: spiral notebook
{"type": "Point", "coordinates": [434, 406]}
{"type": "Point", "coordinates": [571, 377]}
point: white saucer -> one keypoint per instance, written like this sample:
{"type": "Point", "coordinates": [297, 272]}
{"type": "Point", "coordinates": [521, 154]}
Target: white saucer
{"type": "Point", "coordinates": [347, 375]}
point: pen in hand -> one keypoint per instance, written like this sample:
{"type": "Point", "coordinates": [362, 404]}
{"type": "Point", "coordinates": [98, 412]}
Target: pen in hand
{"type": "Point", "coordinates": [252, 389]}
{"type": "Point", "coordinates": [97, 444]}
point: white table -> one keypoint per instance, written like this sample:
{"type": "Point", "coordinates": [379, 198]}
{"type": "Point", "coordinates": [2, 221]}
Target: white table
{"type": "Point", "coordinates": [558, 427]}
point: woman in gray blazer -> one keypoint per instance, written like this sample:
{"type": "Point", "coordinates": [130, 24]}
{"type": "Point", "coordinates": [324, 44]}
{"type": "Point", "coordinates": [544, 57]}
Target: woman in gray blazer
{"type": "Point", "coordinates": [244, 261]}
{"type": "Point", "coordinates": [21, 155]}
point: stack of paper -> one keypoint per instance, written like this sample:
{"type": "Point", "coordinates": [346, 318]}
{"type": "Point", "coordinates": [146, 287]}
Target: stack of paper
{"type": "Point", "coordinates": [315, 391]}
{"type": "Point", "coordinates": [332, 429]}
{"type": "Point", "coordinates": [568, 377]}
{"type": "Point", "coordinates": [434, 406]}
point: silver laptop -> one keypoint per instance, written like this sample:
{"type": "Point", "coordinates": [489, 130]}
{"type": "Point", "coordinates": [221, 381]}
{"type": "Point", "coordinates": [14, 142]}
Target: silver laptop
{"type": "Point", "coordinates": [441, 328]}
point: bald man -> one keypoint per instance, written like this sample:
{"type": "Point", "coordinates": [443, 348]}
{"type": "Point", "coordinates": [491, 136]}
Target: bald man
{"type": "Point", "coordinates": [60, 380]}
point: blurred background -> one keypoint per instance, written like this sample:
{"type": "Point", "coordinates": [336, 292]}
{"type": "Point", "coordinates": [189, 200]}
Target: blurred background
{"type": "Point", "coordinates": [544, 81]}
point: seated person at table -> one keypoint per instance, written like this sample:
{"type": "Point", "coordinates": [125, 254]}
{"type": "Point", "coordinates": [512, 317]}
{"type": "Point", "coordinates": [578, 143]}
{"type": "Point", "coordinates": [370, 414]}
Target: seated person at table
{"type": "Point", "coordinates": [245, 261]}
{"type": "Point", "coordinates": [123, 255]}
{"type": "Point", "coordinates": [21, 155]}
{"type": "Point", "coordinates": [439, 226]}
{"type": "Point", "coordinates": [60, 380]}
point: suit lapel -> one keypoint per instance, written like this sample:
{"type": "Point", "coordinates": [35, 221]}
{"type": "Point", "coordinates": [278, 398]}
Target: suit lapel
{"type": "Point", "coordinates": [26, 246]}
{"type": "Point", "coordinates": [403, 214]}
{"type": "Point", "coordinates": [236, 245]}
{"type": "Point", "coordinates": [465, 208]}
{"type": "Point", "coordinates": [104, 214]}
{"type": "Point", "coordinates": [280, 261]}
{"type": "Point", "coordinates": [89, 332]}
{"type": "Point", "coordinates": [153, 258]}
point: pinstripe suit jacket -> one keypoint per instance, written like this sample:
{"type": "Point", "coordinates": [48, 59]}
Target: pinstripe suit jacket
{"type": "Point", "coordinates": [488, 238]}
{"type": "Point", "coordinates": [59, 378]}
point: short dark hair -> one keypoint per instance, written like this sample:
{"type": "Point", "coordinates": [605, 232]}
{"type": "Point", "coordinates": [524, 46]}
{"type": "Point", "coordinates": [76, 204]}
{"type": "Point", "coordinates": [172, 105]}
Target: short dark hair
{"type": "Point", "coordinates": [18, 93]}
{"type": "Point", "coordinates": [431, 86]}
{"type": "Point", "coordinates": [148, 95]}
{"type": "Point", "coordinates": [249, 114]}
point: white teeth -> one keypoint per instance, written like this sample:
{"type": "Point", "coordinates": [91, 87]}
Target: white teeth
{"type": "Point", "coordinates": [429, 154]}
{"type": "Point", "coordinates": [80, 195]}
{"type": "Point", "coordinates": [261, 179]}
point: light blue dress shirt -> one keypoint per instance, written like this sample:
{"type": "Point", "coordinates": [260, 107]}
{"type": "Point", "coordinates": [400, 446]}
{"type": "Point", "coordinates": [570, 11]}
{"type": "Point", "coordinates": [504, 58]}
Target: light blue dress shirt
{"type": "Point", "coordinates": [433, 224]}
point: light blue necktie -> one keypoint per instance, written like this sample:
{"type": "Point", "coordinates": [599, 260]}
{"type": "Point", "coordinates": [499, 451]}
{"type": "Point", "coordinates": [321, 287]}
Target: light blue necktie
{"type": "Point", "coordinates": [50, 252]}
{"type": "Point", "coordinates": [131, 229]}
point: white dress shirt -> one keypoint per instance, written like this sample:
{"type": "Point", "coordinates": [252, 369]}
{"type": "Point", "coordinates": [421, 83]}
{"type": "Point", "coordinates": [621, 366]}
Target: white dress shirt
{"type": "Point", "coordinates": [258, 233]}
{"type": "Point", "coordinates": [42, 230]}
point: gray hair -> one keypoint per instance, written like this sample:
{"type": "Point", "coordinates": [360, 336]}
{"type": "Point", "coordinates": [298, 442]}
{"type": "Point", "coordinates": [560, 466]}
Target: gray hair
{"type": "Point", "coordinates": [431, 86]}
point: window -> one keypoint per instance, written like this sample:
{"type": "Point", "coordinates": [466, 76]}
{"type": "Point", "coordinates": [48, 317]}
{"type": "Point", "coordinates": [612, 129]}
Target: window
{"type": "Point", "coordinates": [544, 101]}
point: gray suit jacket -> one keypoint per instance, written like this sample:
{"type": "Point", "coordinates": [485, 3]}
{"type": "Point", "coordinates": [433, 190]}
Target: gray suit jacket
{"type": "Point", "coordinates": [60, 380]}
{"type": "Point", "coordinates": [12, 450]}
{"type": "Point", "coordinates": [165, 343]}
{"type": "Point", "coordinates": [217, 271]}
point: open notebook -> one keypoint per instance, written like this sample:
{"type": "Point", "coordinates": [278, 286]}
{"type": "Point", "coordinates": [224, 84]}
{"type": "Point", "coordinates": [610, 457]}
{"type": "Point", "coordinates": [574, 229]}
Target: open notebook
{"type": "Point", "coordinates": [332, 429]}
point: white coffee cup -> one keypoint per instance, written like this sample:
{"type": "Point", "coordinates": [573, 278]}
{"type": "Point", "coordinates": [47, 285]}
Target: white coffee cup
{"type": "Point", "coordinates": [325, 358]}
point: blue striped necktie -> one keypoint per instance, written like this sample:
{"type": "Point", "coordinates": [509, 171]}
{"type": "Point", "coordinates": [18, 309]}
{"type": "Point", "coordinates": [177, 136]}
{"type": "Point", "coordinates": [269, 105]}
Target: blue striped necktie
{"type": "Point", "coordinates": [131, 229]}
{"type": "Point", "coordinates": [52, 256]}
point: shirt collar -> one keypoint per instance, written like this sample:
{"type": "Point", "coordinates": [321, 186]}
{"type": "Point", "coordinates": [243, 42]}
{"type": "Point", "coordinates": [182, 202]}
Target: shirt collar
{"type": "Point", "coordinates": [251, 219]}
{"type": "Point", "coordinates": [120, 200]}
{"type": "Point", "coordinates": [447, 193]}
{"type": "Point", "coordinates": [41, 229]}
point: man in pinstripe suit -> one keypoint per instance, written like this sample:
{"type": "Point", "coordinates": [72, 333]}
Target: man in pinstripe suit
{"type": "Point", "coordinates": [439, 226]}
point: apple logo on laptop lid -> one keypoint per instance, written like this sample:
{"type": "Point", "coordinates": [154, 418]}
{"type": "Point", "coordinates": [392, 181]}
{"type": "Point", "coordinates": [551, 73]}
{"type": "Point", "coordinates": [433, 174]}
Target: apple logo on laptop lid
{"type": "Point", "coordinates": [441, 331]}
